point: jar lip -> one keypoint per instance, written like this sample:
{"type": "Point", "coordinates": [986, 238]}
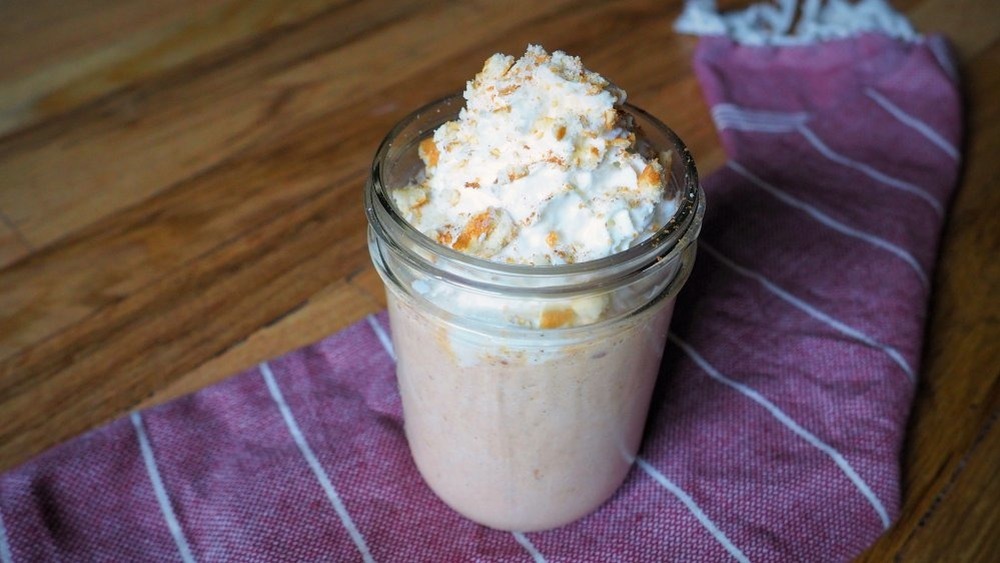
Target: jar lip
{"type": "Point", "coordinates": [690, 207]}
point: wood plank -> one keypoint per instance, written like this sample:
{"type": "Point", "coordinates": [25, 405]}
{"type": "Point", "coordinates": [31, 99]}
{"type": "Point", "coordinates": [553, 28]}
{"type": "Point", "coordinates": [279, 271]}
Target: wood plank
{"type": "Point", "coordinates": [106, 319]}
{"type": "Point", "coordinates": [71, 171]}
{"type": "Point", "coordinates": [965, 522]}
{"type": "Point", "coordinates": [59, 288]}
{"type": "Point", "coordinates": [59, 56]}
{"type": "Point", "coordinates": [970, 25]}
{"type": "Point", "coordinates": [84, 274]}
{"type": "Point", "coordinates": [368, 282]}
{"type": "Point", "coordinates": [143, 140]}
{"type": "Point", "coordinates": [12, 245]}
{"type": "Point", "coordinates": [958, 392]}
{"type": "Point", "coordinates": [331, 309]}
{"type": "Point", "coordinates": [130, 349]}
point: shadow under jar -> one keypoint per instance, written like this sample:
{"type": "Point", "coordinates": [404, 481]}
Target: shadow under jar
{"type": "Point", "coordinates": [517, 427]}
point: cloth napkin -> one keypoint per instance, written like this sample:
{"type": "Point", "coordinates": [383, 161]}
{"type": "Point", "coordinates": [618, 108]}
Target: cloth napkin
{"type": "Point", "coordinates": [776, 425]}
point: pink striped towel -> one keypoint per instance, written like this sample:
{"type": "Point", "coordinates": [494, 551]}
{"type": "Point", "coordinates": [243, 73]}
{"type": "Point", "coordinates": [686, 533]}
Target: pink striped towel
{"type": "Point", "coordinates": [776, 429]}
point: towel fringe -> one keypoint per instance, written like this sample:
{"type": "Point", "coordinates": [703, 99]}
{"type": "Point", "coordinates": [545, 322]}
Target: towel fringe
{"type": "Point", "coordinates": [774, 23]}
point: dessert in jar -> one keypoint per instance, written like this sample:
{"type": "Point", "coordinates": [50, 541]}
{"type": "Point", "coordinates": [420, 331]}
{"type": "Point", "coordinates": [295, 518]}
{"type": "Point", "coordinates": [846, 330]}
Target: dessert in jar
{"type": "Point", "coordinates": [532, 235]}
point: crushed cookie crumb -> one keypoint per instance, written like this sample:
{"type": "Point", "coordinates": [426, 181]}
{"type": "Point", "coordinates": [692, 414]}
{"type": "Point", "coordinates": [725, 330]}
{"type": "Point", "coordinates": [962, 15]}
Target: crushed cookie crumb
{"type": "Point", "coordinates": [610, 117]}
{"type": "Point", "coordinates": [428, 152]}
{"type": "Point", "coordinates": [555, 318]}
{"type": "Point", "coordinates": [650, 176]}
{"type": "Point", "coordinates": [517, 174]}
{"type": "Point", "coordinates": [566, 256]}
{"type": "Point", "coordinates": [480, 225]}
{"type": "Point", "coordinates": [552, 239]}
{"type": "Point", "coordinates": [422, 201]}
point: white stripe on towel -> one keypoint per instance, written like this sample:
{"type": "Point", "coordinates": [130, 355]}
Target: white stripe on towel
{"type": "Point", "coordinates": [382, 336]}
{"type": "Point", "coordinates": [160, 491]}
{"type": "Point", "coordinates": [870, 171]}
{"type": "Point", "coordinates": [5, 556]}
{"type": "Point", "coordinates": [830, 221]}
{"type": "Point", "coordinates": [529, 547]}
{"type": "Point", "coordinates": [693, 508]}
{"type": "Point", "coordinates": [810, 310]}
{"type": "Point", "coordinates": [786, 420]}
{"type": "Point", "coordinates": [313, 462]}
{"type": "Point", "coordinates": [729, 116]}
{"type": "Point", "coordinates": [907, 119]}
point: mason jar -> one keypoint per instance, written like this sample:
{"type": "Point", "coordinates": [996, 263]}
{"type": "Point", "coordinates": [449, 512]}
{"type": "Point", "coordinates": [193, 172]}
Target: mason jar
{"type": "Point", "coordinates": [525, 388]}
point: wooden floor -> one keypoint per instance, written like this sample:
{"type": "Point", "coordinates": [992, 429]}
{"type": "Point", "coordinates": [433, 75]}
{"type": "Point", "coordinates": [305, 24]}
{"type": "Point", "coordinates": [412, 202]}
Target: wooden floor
{"type": "Point", "coordinates": [180, 197]}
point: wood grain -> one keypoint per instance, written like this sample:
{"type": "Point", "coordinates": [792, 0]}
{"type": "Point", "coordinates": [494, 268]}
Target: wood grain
{"type": "Point", "coordinates": [12, 243]}
{"type": "Point", "coordinates": [139, 141]}
{"type": "Point", "coordinates": [964, 525]}
{"type": "Point", "coordinates": [214, 156]}
{"type": "Point", "coordinates": [180, 198]}
{"type": "Point", "coordinates": [59, 56]}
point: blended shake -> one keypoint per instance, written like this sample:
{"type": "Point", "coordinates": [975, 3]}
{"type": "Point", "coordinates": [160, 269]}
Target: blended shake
{"type": "Point", "coordinates": [532, 242]}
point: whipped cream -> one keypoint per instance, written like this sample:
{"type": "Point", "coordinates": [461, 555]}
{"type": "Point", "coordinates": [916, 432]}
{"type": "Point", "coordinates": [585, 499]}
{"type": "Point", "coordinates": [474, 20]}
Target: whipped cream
{"type": "Point", "coordinates": [541, 167]}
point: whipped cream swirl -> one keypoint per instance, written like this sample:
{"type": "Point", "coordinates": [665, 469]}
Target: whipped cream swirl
{"type": "Point", "coordinates": [541, 167]}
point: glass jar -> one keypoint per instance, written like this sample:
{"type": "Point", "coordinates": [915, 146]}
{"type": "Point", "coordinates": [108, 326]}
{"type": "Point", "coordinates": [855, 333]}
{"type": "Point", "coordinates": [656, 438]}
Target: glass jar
{"type": "Point", "coordinates": [525, 388]}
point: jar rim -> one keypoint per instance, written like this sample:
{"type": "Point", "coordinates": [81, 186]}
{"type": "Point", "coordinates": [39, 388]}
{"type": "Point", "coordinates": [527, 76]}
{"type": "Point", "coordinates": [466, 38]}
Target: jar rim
{"type": "Point", "coordinates": [654, 248]}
